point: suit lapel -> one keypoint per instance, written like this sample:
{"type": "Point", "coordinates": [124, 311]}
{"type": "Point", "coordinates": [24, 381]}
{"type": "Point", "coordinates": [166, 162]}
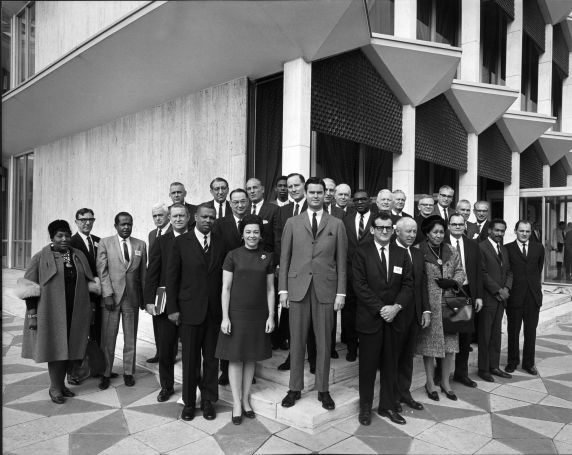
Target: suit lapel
{"type": "Point", "coordinates": [118, 251]}
{"type": "Point", "coordinates": [323, 222]}
{"type": "Point", "coordinates": [376, 251]}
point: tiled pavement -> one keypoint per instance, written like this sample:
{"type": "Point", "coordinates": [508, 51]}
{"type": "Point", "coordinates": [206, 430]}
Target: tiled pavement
{"type": "Point", "coordinates": [524, 415]}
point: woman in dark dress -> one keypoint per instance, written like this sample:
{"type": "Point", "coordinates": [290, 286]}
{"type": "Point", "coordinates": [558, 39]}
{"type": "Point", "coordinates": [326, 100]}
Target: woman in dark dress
{"type": "Point", "coordinates": [247, 313]}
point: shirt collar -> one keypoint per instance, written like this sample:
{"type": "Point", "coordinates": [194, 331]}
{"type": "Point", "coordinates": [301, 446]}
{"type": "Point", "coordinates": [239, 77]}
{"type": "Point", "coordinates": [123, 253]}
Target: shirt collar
{"type": "Point", "coordinates": [201, 236]}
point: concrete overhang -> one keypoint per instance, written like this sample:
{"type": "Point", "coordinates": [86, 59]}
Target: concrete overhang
{"type": "Point", "coordinates": [567, 29]}
{"type": "Point", "coordinates": [165, 50]}
{"type": "Point", "coordinates": [567, 161]}
{"type": "Point", "coordinates": [555, 11]}
{"type": "Point", "coordinates": [520, 129]}
{"type": "Point", "coordinates": [477, 105]}
{"type": "Point", "coordinates": [416, 71]}
{"type": "Point", "coordinates": [554, 145]}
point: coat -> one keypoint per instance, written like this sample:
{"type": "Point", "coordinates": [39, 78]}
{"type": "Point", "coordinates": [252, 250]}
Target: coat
{"type": "Point", "coordinates": [50, 342]}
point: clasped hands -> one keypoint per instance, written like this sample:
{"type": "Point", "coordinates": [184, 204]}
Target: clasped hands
{"type": "Point", "coordinates": [388, 312]}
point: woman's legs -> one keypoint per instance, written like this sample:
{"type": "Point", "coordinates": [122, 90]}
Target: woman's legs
{"type": "Point", "coordinates": [57, 372]}
{"type": "Point", "coordinates": [247, 375]}
{"type": "Point", "coordinates": [446, 366]}
{"type": "Point", "coordinates": [429, 363]}
{"type": "Point", "coordinates": [235, 378]}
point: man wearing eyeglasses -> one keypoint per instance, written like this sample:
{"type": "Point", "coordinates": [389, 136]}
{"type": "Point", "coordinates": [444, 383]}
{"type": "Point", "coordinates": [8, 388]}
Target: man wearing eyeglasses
{"type": "Point", "coordinates": [88, 244]}
{"type": "Point", "coordinates": [444, 200]}
{"type": "Point", "coordinates": [219, 191]}
{"type": "Point", "coordinates": [479, 231]}
{"type": "Point", "coordinates": [425, 207]}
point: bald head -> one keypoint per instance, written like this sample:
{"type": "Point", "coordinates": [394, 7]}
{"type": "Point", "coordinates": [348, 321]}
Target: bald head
{"type": "Point", "coordinates": [384, 200]}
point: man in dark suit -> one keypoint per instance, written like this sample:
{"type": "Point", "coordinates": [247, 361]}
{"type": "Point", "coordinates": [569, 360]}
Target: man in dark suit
{"type": "Point", "coordinates": [357, 226]}
{"type": "Point", "coordinates": [88, 243]}
{"type": "Point", "coordinates": [417, 314]}
{"type": "Point", "coordinates": [219, 190]}
{"type": "Point", "coordinates": [464, 209]}
{"type": "Point", "coordinates": [383, 283]}
{"type": "Point", "coordinates": [227, 229]}
{"type": "Point", "coordinates": [444, 207]}
{"type": "Point", "coordinates": [160, 214]}
{"type": "Point", "coordinates": [497, 283]}
{"type": "Point", "coordinates": [397, 206]}
{"type": "Point", "coordinates": [312, 282]}
{"type": "Point", "coordinates": [526, 262]}
{"type": "Point", "coordinates": [194, 281]}
{"type": "Point", "coordinates": [425, 207]}
{"type": "Point", "coordinates": [266, 210]}
{"type": "Point", "coordinates": [342, 195]}
{"type": "Point", "coordinates": [471, 262]}
{"type": "Point", "coordinates": [167, 331]}
{"type": "Point", "coordinates": [479, 231]}
{"type": "Point", "coordinates": [330, 202]}
{"type": "Point", "coordinates": [281, 189]}
{"type": "Point", "coordinates": [177, 193]}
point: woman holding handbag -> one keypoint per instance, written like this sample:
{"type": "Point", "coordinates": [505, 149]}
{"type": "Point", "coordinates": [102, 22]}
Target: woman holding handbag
{"type": "Point", "coordinates": [444, 275]}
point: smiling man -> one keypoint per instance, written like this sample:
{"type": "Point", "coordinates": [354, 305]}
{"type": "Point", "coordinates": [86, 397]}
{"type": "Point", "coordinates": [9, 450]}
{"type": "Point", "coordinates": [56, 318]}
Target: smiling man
{"type": "Point", "coordinates": [219, 191]}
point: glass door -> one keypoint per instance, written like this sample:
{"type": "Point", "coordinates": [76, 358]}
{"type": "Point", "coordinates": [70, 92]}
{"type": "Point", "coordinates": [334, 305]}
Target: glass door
{"type": "Point", "coordinates": [558, 264]}
{"type": "Point", "coordinates": [23, 190]}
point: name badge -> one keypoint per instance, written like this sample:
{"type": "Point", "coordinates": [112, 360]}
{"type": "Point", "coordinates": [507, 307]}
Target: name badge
{"type": "Point", "coordinates": [137, 252]}
{"type": "Point", "coordinates": [397, 270]}
{"type": "Point", "coordinates": [475, 236]}
{"type": "Point", "coordinates": [264, 221]}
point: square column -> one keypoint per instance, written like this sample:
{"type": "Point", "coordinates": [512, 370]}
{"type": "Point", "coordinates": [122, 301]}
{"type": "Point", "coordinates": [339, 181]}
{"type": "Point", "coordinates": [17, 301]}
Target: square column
{"type": "Point", "coordinates": [470, 68]}
{"type": "Point", "coordinates": [567, 101]}
{"type": "Point", "coordinates": [512, 199]}
{"type": "Point", "coordinates": [403, 176]}
{"type": "Point", "coordinates": [514, 51]}
{"type": "Point", "coordinates": [468, 181]}
{"type": "Point", "coordinates": [405, 19]}
{"type": "Point", "coordinates": [546, 176]}
{"type": "Point", "coordinates": [296, 123]}
{"type": "Point", "coordinates": [545, 74]}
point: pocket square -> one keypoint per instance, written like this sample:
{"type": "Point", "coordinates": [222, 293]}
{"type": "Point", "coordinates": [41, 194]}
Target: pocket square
{"type": "Point", "coordinates": [264, 221]}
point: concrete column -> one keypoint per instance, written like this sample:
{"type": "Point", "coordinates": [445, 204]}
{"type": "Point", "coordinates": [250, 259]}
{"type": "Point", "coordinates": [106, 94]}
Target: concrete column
{"type": "Point", "coordinates": [569, 180]}
{"type": "Point", "coordinates": [567, 101]}
{"type": "Point", "coordinates": [296, 127]}
{"type": "Point", "coordinates": [406, 19]}
{"type": "Point", "coordinates": [545, 74]}
{"type": "Point", "coordinates": [511, 198]}
{"type": "Point", "coordinates": [545, 176]}
{"type": "Point", "coordinates": [470, 69]}
{"type": "Point", "coordinates": [514, 51]}
{"type": "Point", "coordinates": [404, 164]}
{"type": "Point", "coordinates": [468, 180]}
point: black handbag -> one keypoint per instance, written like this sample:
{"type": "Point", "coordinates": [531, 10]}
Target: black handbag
{"type": "Point", "coordinates": [458, 314]}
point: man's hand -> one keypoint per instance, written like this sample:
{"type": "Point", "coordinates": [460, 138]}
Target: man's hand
{"type": "Point", "coordinates": [504, 293]}
{"type": "Point", "coordinates": [388, 312]}
{"type": "Point", "coordinates": [108, 303]}
{"type": "Point", "coordinates": [284, 302]}
{"type": "Point", "coordinates": [174, 318]}
{"type": "Point", "coordinates": [150, 308]}
{"type": "Point", "coordinates": [478, 304]}
{"type": "Point", "coordinates": [425, 320]}
{"type": "Point", "coordinates": [339, 302]}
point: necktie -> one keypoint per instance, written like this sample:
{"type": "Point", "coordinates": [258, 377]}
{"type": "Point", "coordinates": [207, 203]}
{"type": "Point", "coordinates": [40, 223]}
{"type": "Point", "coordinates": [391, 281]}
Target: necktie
{"type": "Point", "coordinates": [360, 228]}
{"type": "Point", "coordinates": [524, 249]}
{"type": "Point", "coordinates": [125, 251]}
{"type": "Point", "coordinates": [499, 252]}
{"type": "Point", "coordinates": [205, 245]}
{"type": "Point", "coordinates": [383, 263]}
{"type": "Point", "coordinates": [253, 209]}
{"type": "Point", "coordinates": [326, 209]}
{"type": "Point", "coordinates": [460, 255]}
{"type": "Point", "coordinates": [91, 249]}
{"type": "Point", "coordinates": [446, 214]}
{"type": "Point", "coordinates": [296, 209]}
{"type": "Point", "coordinates": [158, 232]}
{"type": "Point", "coordinates": [314, 225]}
{"type": "Point", "coordinates": [219, 210]}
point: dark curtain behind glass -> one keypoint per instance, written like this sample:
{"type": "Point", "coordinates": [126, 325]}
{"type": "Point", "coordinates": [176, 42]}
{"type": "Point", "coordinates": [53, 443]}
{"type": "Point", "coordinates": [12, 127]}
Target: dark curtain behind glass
{"type": "Point", "coordinates": [337, 159]}
{"type": "Point", "coordinates": [447, 21]}
{"type": "Point", "coordinates": [424, 20]}
{"type": "Point", "coordinates": [378, 167]}
{"type": "Point", "coordinates": [381, 16]}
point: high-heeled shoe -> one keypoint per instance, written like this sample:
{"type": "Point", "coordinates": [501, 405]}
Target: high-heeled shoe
{"type": "Point", "coordinates": [248, 414]}
{"type": "Point", "coordinates": [236, 420]}
{"type": "Point", "coordinates": [433, 395]}
{"type": "Point", "coordinates": [58, 399]}
{"type": "Point", "coordinates": [449, 394]}
{"type": "Point", "coordinates": [67, 392]}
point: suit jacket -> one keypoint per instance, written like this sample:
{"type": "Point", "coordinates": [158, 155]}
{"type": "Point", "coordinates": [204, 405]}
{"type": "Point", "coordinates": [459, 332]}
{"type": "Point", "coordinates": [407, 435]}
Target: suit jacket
{"type": "Point", "coordinates": [284, 212]}
{"type": "Point", "coordinates": [157, 269]}
{"type": "Point", "coordinates": [496, 275]}
{"type": "Point", "coordinates": [473, 231]}
{"type": "Point", "coordinates": [526, 272]}
{"type": "Point", "coordinates": [268, 212]}
{"type": "Point", "coordinates": [472, 265]}
{"type": "Point", "coordinates": [118, 278]}
{"type": "Point", "coordinates": [395, 218]}
{"type": "Point", "coordinates": [227, 230]}
{"type": "Point", "coordinates": [420, 303]}
{"type": "Point", "coordinates": [375, 291]}
{"type": "Point", "coordinates": [194, 280]}
{"type": "Point", "coordinates": [227, 212]}
{"type": "Point", "coordinates": [153, 237]}
{"type": "Point", "coordinates": [78, 243]}
{"type": "Point", "coordinates": [420, 236]}
{"type": "Point", "coordinates": [353, 242]}
{"type": "Point", "coordinates": [321, 261]}
{"type": "Point", "coordinates": [336, 211]}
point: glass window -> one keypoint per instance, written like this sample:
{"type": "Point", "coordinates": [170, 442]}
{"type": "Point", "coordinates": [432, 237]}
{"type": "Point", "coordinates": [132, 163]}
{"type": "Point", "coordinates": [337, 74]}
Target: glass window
{"type": "Point", "coordinates": [439, 21]}
{"type": "Point", "coordinates": [529, 79]}
{"type": "Point", "coordinates": [23, 192]}
{"type": "Point", "coordinates": [557, 81]}
{"type": "Point", "coordinates": [6, 51]}
{"type": "Point", "coordinates": [381, 16]}
{"type": "Point", "coordinates": [493, 44]}
{"type": "Point", "coordinates": [26, 32]}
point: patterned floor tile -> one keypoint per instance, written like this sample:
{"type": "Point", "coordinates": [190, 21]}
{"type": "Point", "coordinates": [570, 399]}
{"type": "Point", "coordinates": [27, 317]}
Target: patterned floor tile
{"type": "Point", "coordinates": [271, 425]}
{"type": "Point", "coordinates": [240, 444]}
{"type": "Point", "coordinates": [32, 432]}
{"type": "Point", "coordinates": [211, 427]}
{"type": "Point", "coordinates": [113, 423]}
{"type": "Point", "coordinates": [557, 402]}
{"type": "Point", "coordinates": [92, 444]}
{"type": "Point", "coordinates": [145, 379]}
{"type": "Point", "coordinates": [532, 384]}
{"type": "Point", "coordinates": [454, 439]}
{"type": "Point", "coordinates": [138, 421]}
{"type": "Point", "coordinates": [276, 445]}
{"type": "Point", "coordinates": [380, 427]}
{"type": "Point", "coordinates": [503, 428]}
{"type": "Point", "coordinates": [27, 378]}
{"type": "Point", "coordinates": [129, 446]}
{"type": "Point", "coordinates": [59, 446]}
{"type": "Point", "coordinates": [441, 413]}
{"type": "Point", "coordinates": [18, 368]}
{"type": "Point", "coordinates": [474, 396]}
{"type": "Point", "coordinates": [44, 407]}
{"type": "Point", "coordinates": [534, 411]}
{"type": "Point", "coordinates": [78, 421]}
{"type": "Point", "coordinates": [350, 445]}
{"type": "Point", "coordinates": [543, 427]}
{"type": "Point", "coordinates": [563, 415]}
{"type": "Point", "coordinates": [314, 442]}
{"type": "Point", "coordinates": [387, 444]}
{"type": "Point", "coordinates": [423, 447]}
{"type": "Point", "coordinates": [128, 395]}
{"type": "Point", "coordinates": [558, 390]}
{"type": "Point", "coordinates": [556, 347]}
{"type": "Point", "coordinates": [16, 392]}
{"type": "Point", "coordinates": [510, 391]}
{"type": "Point", "coordinates": [167, 409]}
{"type": "Point", "coordinates": [169, 436]}
{"type": "Point", "coordinates": [105, 397]}
{"type": "Point", "coordinates": [565, 435]}
{"type": "Point", "coordinates": [206, 445]}
{"type": "Point", "coordinates": [12, 417]}
{"type": "Point", "coordinates": [480, 424]}
{"type": "Point", "coordinates": [535, 446]}
{"type": "Point", "coordinates": [495, 447]}
{"type": "Point", "coordinates": [77, 406]}
{"type": "Point", "coordinates": [563, 447]}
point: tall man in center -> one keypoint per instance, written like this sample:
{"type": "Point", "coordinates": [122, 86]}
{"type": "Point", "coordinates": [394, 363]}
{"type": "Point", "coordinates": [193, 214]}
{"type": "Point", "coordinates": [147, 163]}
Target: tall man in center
{"type": "Point", "coordinates": [312, 283]}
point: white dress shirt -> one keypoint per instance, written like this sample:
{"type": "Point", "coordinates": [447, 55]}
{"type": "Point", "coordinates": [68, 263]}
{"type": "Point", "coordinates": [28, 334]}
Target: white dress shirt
{"type": "Point", "coordinates": [385, 252]}
{"type": "Point", "coordinates": [216, 207]}
{"type": "Point", "coordinates": [279, 203]}
{"type": "Point", "coordinates": [201, 237]}
{"type": "Point", "coordinates": [129, 248]}
{"type": "Point", "coordinates": [257, 206]}
{"type": "Point", "coordinates": [84, 238]}
{"type": "Point", "coordinates": [521, 246]}
{"type": "Point", "coordinates": [318, 213]}
{"type": "Point", "coordinates": [462, 253]}
{"type": "Point", "coordinates": [365, 220]}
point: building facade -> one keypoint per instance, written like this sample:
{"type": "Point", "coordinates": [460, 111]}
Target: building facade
{"type": "Point", "coordinates": [105, 103]}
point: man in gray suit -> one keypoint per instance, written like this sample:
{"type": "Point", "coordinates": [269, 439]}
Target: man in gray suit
{"type": "Point", "coordinates": [312, 283]}
{"type": "Point", "coordinates": [121, 266]}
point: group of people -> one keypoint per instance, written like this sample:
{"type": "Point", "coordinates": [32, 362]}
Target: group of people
{"type": "Point", "coordinates": [238, 276]}
{"type": "Point", "coordinates": [562, 247]}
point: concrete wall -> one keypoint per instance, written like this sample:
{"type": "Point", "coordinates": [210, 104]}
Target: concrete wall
{"type": "Point", "coordinates": [62, 25]}
{"type": "Point", "coordinates": [128, 164]}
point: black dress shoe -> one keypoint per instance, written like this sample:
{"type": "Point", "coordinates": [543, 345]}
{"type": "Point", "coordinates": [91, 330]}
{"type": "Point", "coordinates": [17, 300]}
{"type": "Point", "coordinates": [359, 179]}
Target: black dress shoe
{"type": "Point", "coordinates": [57, 398]}
{"type": "Point", "coordinates": [395, 417]}
{"type": "Point", "coordinates": [465, 380]}
{"type": "Point", "coordinates": [351, 357]}
{"type": "Point", "coordinates": [129, 380]}
{"type": "Point", "coordinates": [73, 381]}
{"type": "Point", "coordinates": [285, 366]}
{"type": "Point", "coordinates": [188, 413]}
{"type": "Point", "coordinates": [485, 376]}
{"type": "Point", "coordinates": [67, 393]}
{"type": "Point", "coordinates": [290, 398]}
{"type": "Point", "coordinates": [223, 380]}
{"type": "Point", "coordinates": [334, 354]}
{"type": "Point", "coordinates": [433, 395]}
{"type": "Point", "coordinates": [510, 368]}
{"type": "Point", "coordinates": [254, 380]}
{"type": "Point", "coordinates": [236, 420]}
{"type": "Point", "coordinates": [500, 373]}
{"type": "Point", "coordinates": [327, 402]}
{"type": "Point", "coordinates": [398, 407]}
{"type": "Point", "coordinates": [113, 375]}
{"type": "Point", "coordinates": [248, 414]}
{"type": "Point", "coordinates": [104, 383]}
{"type": "Point", "coordinates": [531, 370]}
{"type": "Point", "coordinates": [153, 359]}
{"type": "Point", "coordinates": [209, 412]}
{"type": "Point", "coordinates": [313, 368]}
{"type": "Point", "coordinates": [165, 394]}
{"type": "Point", "coordinates": [449, 394]}
{"type": "Point", "coordinates": [284, 346]}
{"type": "Point", "coordinates": [364, 416]}
{"type": "Point", "coordinates": [412, 404]}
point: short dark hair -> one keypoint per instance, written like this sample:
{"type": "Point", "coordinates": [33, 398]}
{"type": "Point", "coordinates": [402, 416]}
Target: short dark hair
{"type": "Point", "coordinates": [176, 184]}
{"type": "Point", "coordinates": [361, 190]}
{"type": "Point", "coordinates": [122, 214]}
{"type": "Point", "coordinates": [522, 221]}
{"type": "Point", "coordinates": [430, 222]}
{"type": "Point", "coordinates": [497, 221]}
{"type": "Point", "coordinates": [315, 181]}
{"type": "Point", "coordinates": [455, 214]}
{"type": "Point", "coordinates": [218, 179]}
{"type": "Point", "coordinates": [282, 177]}
{"type": "Point", "coordinates": [294, 174]}
{"type": "Point", "coordinates": [250, 219]}
{"type": "Point", "coordinates": [83, 211]}
{"type": "Point", "coordinates": [205, 205]}
{"type": "Point", "coordinates": [238, 190]}
{"type": "Point", "coordinates": [58, 226]}
{"type": "Point", "coordinates": [178, 205]}
{"type": "Point", "coordinates": [383, 216]}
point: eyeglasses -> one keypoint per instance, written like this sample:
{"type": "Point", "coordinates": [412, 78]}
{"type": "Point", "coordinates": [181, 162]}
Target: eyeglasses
{"type": "Point", "coordinates": [457, 224]}
{"type": "Point", "coordinates": [242, 201]}
{"type": "Point", "coordinates": [383, 228]}
{"type": "Point", "coordinates": [446, 196]}
{"type": "Point", "coordinates": [85, 220]}
{"type": "Point", "coordinates": [426, 205]}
